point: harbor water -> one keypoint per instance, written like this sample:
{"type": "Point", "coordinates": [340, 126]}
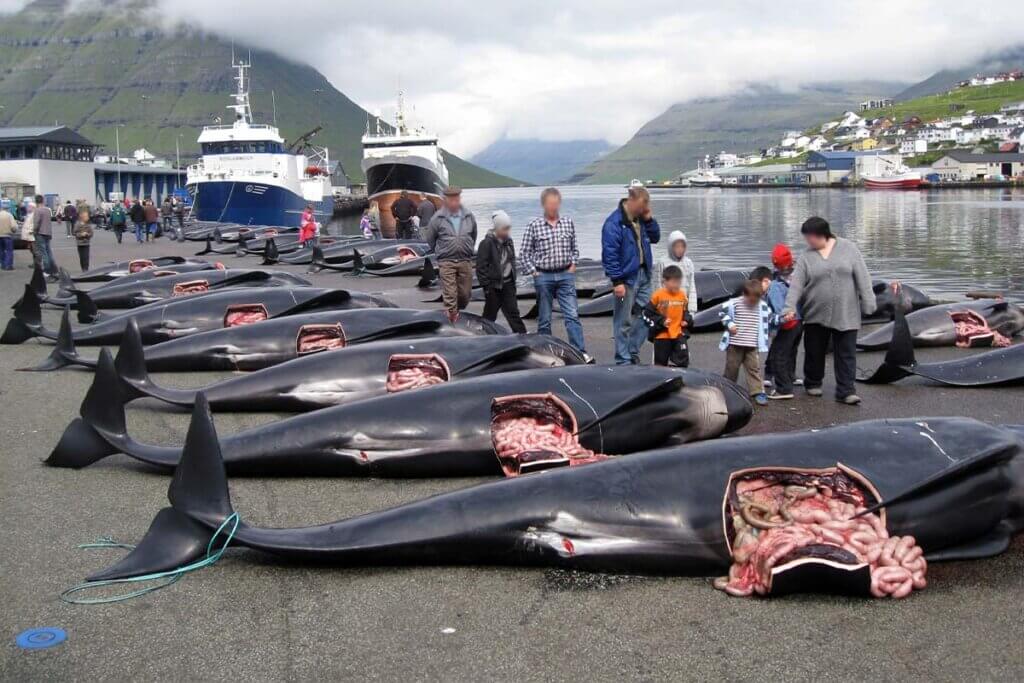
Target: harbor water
{"type": "Point", "coordinates": [947, 242]}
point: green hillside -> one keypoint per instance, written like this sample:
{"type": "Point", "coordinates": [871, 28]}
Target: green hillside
{"type": "Point", "coordinates": [983, 99]}
{"type": "Point", "coordinates": [941, 81]}
{"type": "Point", "coordinates": [95, 70]}
{"type": "Point", "coordinates": [756, 118]}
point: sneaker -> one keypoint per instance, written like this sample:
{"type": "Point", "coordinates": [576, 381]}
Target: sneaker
{"type": "Point", "coordinates": [798, 382]}
{"type": "Point", "coordinates": [769, 382]}
{"type": "Point", "coordinates": [851, 400]}
{"type": "Point", "coordinates": [761, 399]}
{"type": "Point", "coordinates": [779, 396]}
{"type": "Point", "coordinates": [814, 391]}
{"type": "Point", "coordinates": [588, 359]}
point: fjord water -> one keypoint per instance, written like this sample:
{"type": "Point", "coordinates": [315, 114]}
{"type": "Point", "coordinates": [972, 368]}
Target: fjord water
{"type": "Point", "coordinates": [947, 242]}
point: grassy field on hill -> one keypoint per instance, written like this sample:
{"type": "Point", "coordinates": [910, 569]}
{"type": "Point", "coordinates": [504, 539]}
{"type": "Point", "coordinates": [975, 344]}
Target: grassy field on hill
{"type": "Point", "coordinates": [983, 99]}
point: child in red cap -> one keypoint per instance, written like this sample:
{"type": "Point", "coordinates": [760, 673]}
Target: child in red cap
{"type": "Point", "coordinates": [781, 362]}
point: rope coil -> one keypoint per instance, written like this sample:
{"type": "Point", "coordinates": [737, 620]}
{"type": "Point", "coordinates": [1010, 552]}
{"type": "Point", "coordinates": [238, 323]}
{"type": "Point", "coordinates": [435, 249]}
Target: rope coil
{"type": "Point", "coordinates": [167, 577]}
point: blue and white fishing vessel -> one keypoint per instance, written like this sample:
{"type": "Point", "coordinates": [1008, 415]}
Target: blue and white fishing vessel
{"type": "Point", "coordinates": [249, 175]}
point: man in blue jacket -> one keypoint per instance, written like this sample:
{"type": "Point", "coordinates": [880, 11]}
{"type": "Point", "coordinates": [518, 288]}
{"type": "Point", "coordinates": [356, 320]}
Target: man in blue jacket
{"type": "Point", "coordinates": [626, 240]}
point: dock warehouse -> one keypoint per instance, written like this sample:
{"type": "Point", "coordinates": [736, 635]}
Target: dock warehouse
{"type": "Point", "coordinates": [59, 163]}
{"type": "Point", "coordinates": [838, 167]}
{"type": "Point", "coordinates": [964, 165]}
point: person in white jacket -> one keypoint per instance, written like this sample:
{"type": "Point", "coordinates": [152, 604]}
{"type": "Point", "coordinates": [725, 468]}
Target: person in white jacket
{"type": "Point", "coordinates": [676, 256]}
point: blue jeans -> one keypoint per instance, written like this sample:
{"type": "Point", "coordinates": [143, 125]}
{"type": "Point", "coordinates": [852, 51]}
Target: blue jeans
{"type": "Point", "coordinates": [6, 253]}
{"type": "Point", "coordinates": [45, 254]}
{"type": "Point", "coordinates": [140, 231]}
{"type": "Point", "coordinates": [563, 286]}
{"type": "Point", "coordinates": [629, 330]}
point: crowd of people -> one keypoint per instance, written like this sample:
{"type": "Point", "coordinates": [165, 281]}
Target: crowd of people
{"type": "Point", "coordinates": [31, 221]}
{"type": "Point", "coordinates": [818, 299]}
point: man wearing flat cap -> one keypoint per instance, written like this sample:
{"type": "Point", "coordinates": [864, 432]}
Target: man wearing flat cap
{"type": "Point", "coordinates": [451, 235]}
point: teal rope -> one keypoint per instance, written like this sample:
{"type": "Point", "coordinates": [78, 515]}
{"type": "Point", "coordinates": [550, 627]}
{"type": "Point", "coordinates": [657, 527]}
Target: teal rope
{"type": "Point", "coordinates": [167, 577]}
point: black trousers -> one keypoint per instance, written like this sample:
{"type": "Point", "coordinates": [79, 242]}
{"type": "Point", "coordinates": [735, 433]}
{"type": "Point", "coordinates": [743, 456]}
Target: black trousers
{"type": "Point", "coordinates": [674, 351]}
{"type": "Point", "coordinates": [844, 357]}
{"type": "Point", "coordinates": [504, 299]}
{"type": "Point", "coordinates": [781, 363]}
{"type": "Point", "coordinates": [83, 256]}
{"type": "Point", "coordinates": [403, 230]}
{"type": "Point", "coordinates": [118, 231]}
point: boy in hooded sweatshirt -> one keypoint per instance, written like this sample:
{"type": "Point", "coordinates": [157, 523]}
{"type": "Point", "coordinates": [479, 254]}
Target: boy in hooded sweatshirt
{"type": "Point", "coordinates": [676, 256]}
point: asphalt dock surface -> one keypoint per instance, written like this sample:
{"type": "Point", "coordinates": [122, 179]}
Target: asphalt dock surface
{"type": "Point", "coordinates": [253, 618]}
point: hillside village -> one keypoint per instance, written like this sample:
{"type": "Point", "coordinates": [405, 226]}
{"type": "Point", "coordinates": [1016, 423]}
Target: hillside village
{"type": "Point", "coordinates": [973, 132]}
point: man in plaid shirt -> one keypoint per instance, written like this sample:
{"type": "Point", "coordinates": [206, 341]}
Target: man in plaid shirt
{"type": "Point", "coordinates": [549, 253]}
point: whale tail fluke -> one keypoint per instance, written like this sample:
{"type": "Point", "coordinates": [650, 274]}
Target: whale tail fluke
{"type": "Point", "coordinates": [428, 275]}
{"type": "Point", "coordinates": [316, 261]}
{"type": "Point", "coordinates": [270, 252]}
{"type": "Point", "coordinates": [66, 286]}
{"type": "Point", "coordinates": [84, 442]}
{"type": "Point", "coordinates": [208, 249]}
{"type": "Point", "coordinates": [88, 311]}
{"type": "Point", "coordinates": [133, 376]}
{"type": "Point", "coordinates": [27, 321]}
{"type": "Point", "coordinates": [358, 265]}
{"type": "Point", "coordinates": [64, 353]}
{"type": "Point", "coordinates": [38, 281]}
{"type": "Point", "coordinates": [899, 358]}
{"type": "Point", "coordinates": [200, 502]}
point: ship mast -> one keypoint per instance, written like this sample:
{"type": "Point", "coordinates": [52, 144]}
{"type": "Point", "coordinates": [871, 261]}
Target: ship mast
{"type": "Point", "coordinates": [243, 113]}
{"type": "Point", "coordinates": [400, 114]}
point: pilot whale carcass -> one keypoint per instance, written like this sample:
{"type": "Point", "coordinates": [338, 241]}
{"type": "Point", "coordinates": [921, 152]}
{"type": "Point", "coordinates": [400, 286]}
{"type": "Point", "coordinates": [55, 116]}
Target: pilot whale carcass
{"type": "Point", "coordinates": [349, 373]}
{"type": "Point", "coordinates": [988, 368]}
{"type": "Point", "coordinates": [860, 508]}
{"type": "Point", "coordinates": [970, 323]}
{"type": "Point", "coordinates": [264, 343]}
{"type": "Point", "coordinates": [514, 423]}
{"type": "Point", "coordinates": [158, 285]}
{"type": "Point", "coordinates": [179, 317]}
{"type": "Point", "coordinates": [117, 269]}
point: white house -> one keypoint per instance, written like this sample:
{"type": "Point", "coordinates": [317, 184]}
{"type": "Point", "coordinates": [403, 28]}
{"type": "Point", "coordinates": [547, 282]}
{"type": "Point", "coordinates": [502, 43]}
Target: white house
{"type": "Point", "coordinates": [816, 144]}
{"type": "Point", "coordinates": [802, 142]}
{"type": "Point", "coordinates": [913, 146]}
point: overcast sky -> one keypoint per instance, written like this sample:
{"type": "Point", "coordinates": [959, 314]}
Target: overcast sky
{"type": "Point", "coordinates": [477, 70]}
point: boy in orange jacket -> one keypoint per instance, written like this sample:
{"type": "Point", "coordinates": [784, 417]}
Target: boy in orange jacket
{"type": "Point", "coordinates": [668, 318]}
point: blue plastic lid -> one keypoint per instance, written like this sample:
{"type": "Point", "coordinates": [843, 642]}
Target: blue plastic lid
{"type": "Point", "coordinates": [39, 638]}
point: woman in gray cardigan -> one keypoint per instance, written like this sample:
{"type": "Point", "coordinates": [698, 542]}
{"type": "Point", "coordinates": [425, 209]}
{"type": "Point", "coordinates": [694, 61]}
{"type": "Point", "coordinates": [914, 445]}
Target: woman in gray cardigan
{"type": "Point", "coordinates": [832, 286]}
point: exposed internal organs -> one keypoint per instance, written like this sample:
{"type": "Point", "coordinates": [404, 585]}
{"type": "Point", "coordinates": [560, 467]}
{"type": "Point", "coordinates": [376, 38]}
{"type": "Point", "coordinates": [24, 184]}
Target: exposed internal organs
{"type": "Point", "coordinates": [406, 254]}
{"type": "Point", "coordinates": [972, 330]}
{"type": "Point", "coordinates": [314, 338]}
{"type": "Point", "coordinates": [139, 265]}
{"type": "Point", "coordinates": [778, 518]}
{"type": "Point", "coordinates": [191, 287]}
{"type": "Point", "coordinates": [244, 314]}
{"type": "Point", "coordinates": [412, 371]}
{"type": "Point", "coordinates": [538, 432]}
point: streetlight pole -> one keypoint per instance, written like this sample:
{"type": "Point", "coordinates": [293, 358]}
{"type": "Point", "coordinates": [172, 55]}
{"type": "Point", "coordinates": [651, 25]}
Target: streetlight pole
{"type": "Point", "coordinates": [117, 158]}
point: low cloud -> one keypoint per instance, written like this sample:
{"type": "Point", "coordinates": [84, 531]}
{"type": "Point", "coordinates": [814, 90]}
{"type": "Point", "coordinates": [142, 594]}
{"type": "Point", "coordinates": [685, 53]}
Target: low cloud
{"type": "Point", "coordinates": [477, 71]}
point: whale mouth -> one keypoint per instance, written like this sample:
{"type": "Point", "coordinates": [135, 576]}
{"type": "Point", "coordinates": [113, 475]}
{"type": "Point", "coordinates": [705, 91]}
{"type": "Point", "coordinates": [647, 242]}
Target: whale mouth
{"type": "Point", "coordinates": [532, 432]}
{"type": "Point", "coordinates": [413, 371]}
{"type": "Point", "coordinates": [316, 338]}
{"type": "Point", "coordinates": [190, 287]}
{"type": "Point", "coordinates": [972, 330]}
{"type": "Point", "coordinates": [139, 265]}
{"type": "Point", "coordinates": [791, 530]}
{"type": "Point", "coordinates": [244, 314]}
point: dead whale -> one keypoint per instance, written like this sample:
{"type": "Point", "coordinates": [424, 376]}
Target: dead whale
{"type": "Point", "coordinates": [773, 513]}
{"type": "Point", "coordinates": [989, 368]}
{"type": "Point", "coordinates": [516, 422]}
{"type": "Point", "coordinates": [970, 323]}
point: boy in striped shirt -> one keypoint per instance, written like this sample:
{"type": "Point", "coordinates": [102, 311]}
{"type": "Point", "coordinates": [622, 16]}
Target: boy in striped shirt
{"type": "Point", "coordinates": [747, 321]}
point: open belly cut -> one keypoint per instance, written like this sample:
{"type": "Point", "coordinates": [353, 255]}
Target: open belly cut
{"type": "Point", "coordinates": [533, 432]}
{"type": "Point", "coordinates": [793, 530]}
{"type": "Point", "coordinates": [413, 371]}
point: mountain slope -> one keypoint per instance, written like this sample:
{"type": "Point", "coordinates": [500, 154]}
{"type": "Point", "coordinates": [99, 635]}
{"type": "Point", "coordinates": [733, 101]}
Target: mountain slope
{"type": "Point", "coordinates": [94, 71]}
{"type": "Point", "coordinates": [755, 118]}
{"type": "Point", "coordinates": [941, 81]}
{"type": "Point", "coordinates": [541, 162]}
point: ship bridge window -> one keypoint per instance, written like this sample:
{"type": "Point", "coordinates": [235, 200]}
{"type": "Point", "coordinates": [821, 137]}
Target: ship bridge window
{"type": "Point", "coordinates": [231, 147]}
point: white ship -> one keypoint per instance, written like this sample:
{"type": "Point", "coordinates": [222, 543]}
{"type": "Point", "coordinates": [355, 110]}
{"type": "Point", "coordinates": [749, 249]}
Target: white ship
{"type": "Point", "coordinates": [249, 175]}
{"type": "Point", "coordinates": [399, 158]}
{"type": "Point", "coordinates": [706, 177]}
